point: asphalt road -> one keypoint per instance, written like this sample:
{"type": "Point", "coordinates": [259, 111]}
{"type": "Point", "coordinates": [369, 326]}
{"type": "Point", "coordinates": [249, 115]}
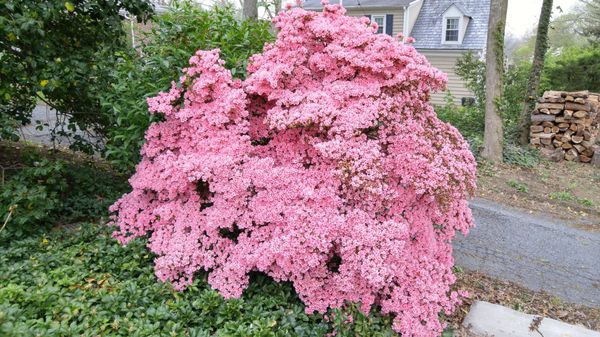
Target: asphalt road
{"type": "Point", "coordinates": [532, 250]}
{"type": "Point", "coordinates": [45, 115]}
{"type": "Point", "coordinates": [30, 133]}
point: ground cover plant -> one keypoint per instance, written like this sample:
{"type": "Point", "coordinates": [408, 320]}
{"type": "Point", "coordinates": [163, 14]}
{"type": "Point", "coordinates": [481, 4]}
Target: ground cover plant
{"type": "Point", "coordinates": [81, 282]}
{"type": "Point", "coordinates": [41, 188]}
{"type": "Point", "coordinates": [343, 182]}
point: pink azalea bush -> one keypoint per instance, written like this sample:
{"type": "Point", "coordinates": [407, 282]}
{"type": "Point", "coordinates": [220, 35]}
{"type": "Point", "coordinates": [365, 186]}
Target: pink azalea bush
{"type": "Point", "coordinates": [327, 167]}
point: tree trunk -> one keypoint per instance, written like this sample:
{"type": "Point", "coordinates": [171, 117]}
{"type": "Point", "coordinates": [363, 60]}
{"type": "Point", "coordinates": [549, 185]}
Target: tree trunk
{"type": "Point", "coordinates": [250, 10]}
{"type": "Point", "coordinates": [541, 46]}
{"type": "Point", "coordinates": [494, 61]}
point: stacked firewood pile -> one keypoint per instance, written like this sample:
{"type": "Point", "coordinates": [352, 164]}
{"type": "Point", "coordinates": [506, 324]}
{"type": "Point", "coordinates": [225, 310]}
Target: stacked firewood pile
{"type": "Point", "coordinates": [564, 125]}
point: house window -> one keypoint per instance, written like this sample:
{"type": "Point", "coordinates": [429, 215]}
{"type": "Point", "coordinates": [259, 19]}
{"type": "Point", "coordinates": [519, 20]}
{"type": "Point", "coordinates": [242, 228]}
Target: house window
{"type": "Point", "coordinates": [451, 33]}
{"type": "Point", "coordinates": [380, 20]}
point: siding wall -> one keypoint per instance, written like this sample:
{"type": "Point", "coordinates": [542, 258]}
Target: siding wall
{"type": "Point", "coordinates": [398, 13]}
{"type": "Point", "coordinates": [445, 60]}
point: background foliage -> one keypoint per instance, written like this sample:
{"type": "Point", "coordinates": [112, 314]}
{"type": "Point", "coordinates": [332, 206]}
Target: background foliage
{"type": "Point", "coordinates": [470, 120]}
{"type": "Point", "coordinates": [589, 23]}
{"type": "Point", "coordinates": [59, 52]}
{"type": "Point", "coordinates": [164, 50]}
{"type": "Point", "coordinates": [574, 69]}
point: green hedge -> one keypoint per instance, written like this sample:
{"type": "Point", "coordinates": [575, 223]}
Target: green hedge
{"type": "Point", "coordinates": [574, 69]}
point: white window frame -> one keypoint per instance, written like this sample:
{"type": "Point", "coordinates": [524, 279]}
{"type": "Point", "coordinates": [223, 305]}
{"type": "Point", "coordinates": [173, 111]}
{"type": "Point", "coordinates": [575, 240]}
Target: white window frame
{"type": "Point", "coordinates": [445, 26]}
{"type": "Point", "coordinates": [383, 26]}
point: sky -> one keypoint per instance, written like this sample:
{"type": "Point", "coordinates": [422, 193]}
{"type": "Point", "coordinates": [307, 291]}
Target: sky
{"type": "Point", "coordinates": [523, 15]}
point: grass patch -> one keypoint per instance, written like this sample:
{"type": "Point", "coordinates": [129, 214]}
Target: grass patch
{"type": "Point", "coordinates": [517, 185]}
{"type": "Point", "coordinates": [562, 196]}
{"type": "Point", "coordinates": [585, 202]}
{"type": "Point", "coordinates": [568, 196]}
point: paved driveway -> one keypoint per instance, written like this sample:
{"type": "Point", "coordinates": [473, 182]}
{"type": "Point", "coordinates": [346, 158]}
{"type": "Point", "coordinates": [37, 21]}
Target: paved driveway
{"type": "Point", "coordinates": [532, 250]}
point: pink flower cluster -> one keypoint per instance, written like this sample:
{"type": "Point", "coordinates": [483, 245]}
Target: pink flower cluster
{"type": "Point", "coordinates": [327, 167]}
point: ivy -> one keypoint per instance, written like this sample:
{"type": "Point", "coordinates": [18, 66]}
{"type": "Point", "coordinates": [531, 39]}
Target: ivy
{"type": "Point", "coordinates": [82, 282]}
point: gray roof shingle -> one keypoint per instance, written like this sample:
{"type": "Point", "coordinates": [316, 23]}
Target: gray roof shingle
{"type": "Point", "coordinates": [428, 27]}
{"type": "Point", "coordinates": [427, 30]}
{"type": "Point", "coordinates": [316, 4]}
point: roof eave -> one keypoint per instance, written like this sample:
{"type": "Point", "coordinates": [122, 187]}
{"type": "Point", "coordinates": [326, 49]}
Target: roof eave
{"type": "Point", "coordinates": [359, 7]}
{"type": "Point", "coordinates": [447, 48]}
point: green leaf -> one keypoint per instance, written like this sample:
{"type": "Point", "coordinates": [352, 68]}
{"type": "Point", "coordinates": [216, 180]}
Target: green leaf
{"type": "Point", "coordinates": [69, 6]}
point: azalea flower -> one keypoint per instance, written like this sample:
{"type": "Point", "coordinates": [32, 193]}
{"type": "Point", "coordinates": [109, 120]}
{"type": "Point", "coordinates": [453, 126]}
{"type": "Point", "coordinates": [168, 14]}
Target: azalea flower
{"type": "Point", "coordinates": [327, 167]}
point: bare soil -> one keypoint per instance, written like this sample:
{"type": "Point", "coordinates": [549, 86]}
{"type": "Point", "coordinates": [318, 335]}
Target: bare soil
{"type": "Point", "coordinates": [566, 190]}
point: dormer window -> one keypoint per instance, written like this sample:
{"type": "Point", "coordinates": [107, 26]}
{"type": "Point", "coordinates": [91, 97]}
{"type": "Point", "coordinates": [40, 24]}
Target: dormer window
{"type": "Point", "coordinates": [451, 34]}
{"type": "Point", "coordinates": [454, 24]}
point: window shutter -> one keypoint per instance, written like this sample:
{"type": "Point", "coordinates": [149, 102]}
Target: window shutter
{"type": "Point", "coordinates": [389, 24]}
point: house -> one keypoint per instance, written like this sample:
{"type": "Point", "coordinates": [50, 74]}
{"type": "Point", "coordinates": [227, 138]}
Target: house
{"type": "Point", "coordinates": [443, 30]}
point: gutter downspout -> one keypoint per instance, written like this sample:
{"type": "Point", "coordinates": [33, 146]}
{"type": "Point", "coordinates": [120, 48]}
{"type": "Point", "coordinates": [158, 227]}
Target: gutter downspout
{"type": "Point", "coordinates": [405, 22]}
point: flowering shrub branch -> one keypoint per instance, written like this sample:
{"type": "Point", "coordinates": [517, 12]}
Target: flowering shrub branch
{"type": "Point", "coordinates": [326, 167]}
